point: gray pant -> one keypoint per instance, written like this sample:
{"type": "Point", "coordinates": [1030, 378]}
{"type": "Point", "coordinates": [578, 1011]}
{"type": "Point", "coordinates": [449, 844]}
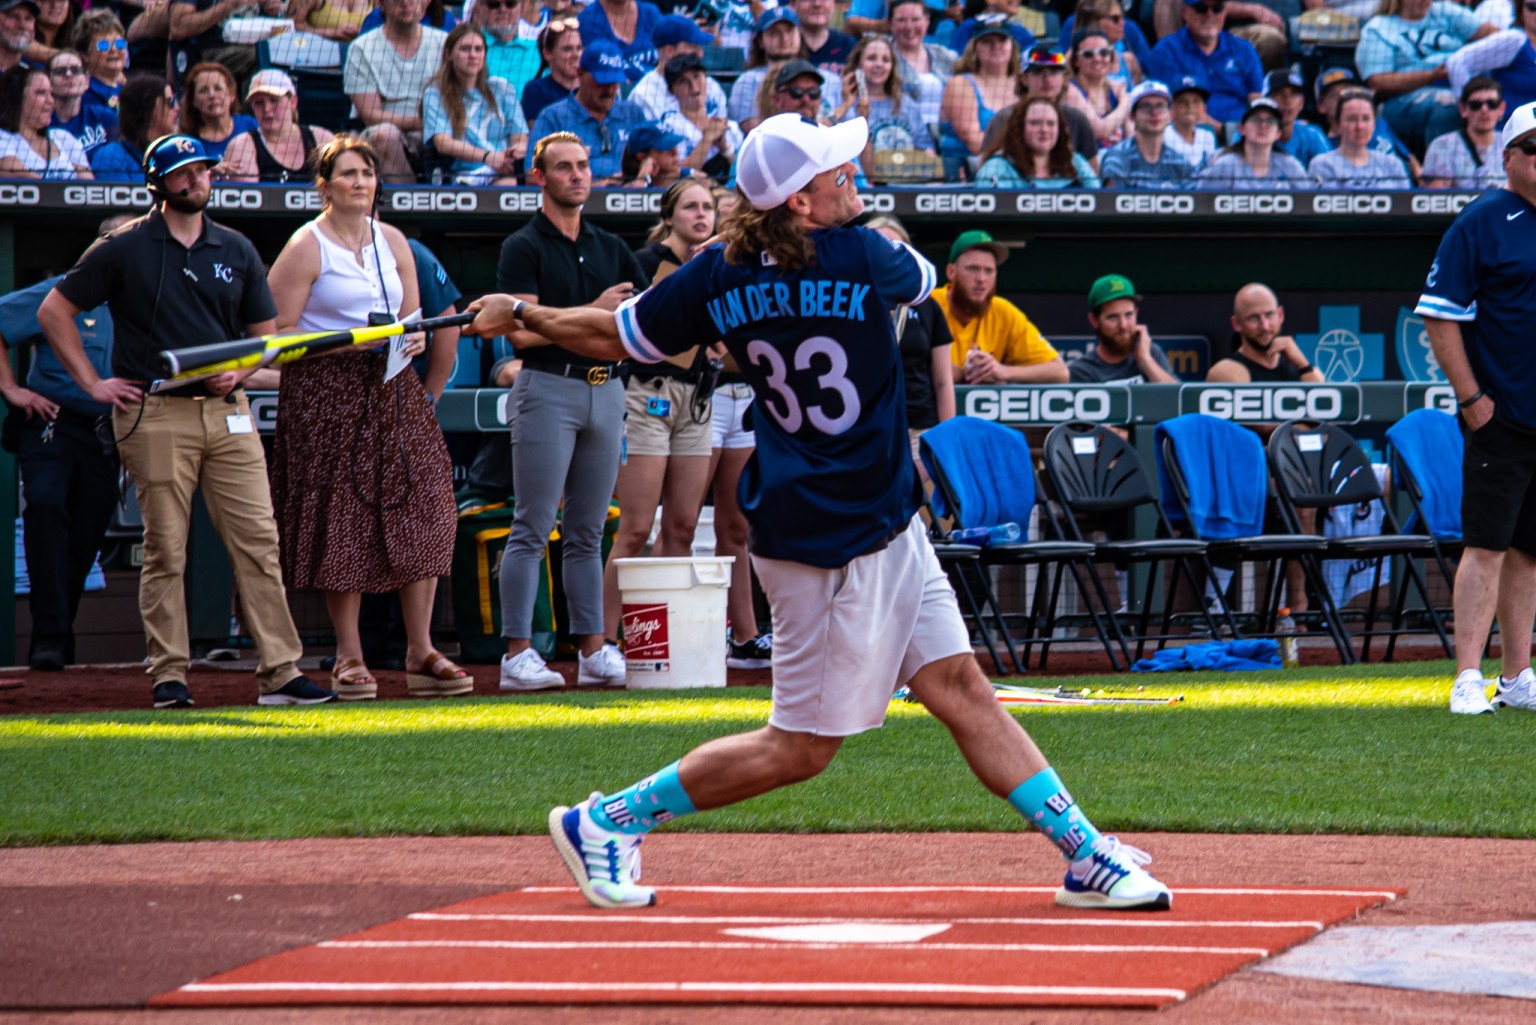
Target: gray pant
{"type": "Point", "coordinates": [565, 442]}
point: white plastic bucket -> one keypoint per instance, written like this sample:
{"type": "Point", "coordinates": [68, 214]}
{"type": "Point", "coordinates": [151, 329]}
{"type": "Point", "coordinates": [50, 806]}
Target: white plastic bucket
{"type": "Point", "coordinates": [674, 621]}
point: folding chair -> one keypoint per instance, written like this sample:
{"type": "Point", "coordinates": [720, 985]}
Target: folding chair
{"type": "Point", "coordinates": [1094, 470]}
{"type": "Point", "coordinates": [1425, 454]}
{"type": "Point", "coordinates": [984, 476]}
{"type": "Point", "coordinates": [1319, 466]}
{"type": "Point", "coordinates": [1215, 484]}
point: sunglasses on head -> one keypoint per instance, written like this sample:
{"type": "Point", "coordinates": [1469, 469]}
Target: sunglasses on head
{"type": "Point", "coordinates": [103, 45]}
{"type": "Point", "coordinates": [1483, 104]}
{"type": "Point", "coordinates": [1102, 53]}
{"type": "Point", "coordinates": [556, 27]}
{"type": "Point", "coordinates": [800, 92]}
{"type": "Point", "coordinates": [1048, 60]}
{"type": "Point", "coordinates": [1208, 8]}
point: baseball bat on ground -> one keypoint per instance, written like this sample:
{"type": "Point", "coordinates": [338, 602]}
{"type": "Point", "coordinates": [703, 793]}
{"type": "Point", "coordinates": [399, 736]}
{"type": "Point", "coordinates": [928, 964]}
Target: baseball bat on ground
{"type": "Point", "coordinates": [197, 361]}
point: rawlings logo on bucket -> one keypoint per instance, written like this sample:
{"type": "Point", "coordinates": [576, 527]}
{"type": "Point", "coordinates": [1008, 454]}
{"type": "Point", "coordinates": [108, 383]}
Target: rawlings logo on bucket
{"type": "Point", "coordinates": [645, 638]}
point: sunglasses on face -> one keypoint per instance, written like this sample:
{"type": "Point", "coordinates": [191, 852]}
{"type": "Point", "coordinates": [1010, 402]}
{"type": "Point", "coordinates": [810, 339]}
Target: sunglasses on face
{"type": "Point", "coordinates": [498, 5]}
{"type": "Point", "coordinates": [1483, 104]}
{"type": "Point", "coordinates": [103, 45]}
{"type": "Point", "coordinates": [1103, 53]}
{"type": "Point", "coordinates": [1209, 8]}
{"type": "Point", "coordinates": [800, 92]}
{"type": "Point", "coordinates": [1527, 146]}
{"type": "Point", "coordinates": [1531, 7]}
{"type": "Point", "coordinates": [1112, 17]}
{"type": "Point", "coordinates": [66, 70]}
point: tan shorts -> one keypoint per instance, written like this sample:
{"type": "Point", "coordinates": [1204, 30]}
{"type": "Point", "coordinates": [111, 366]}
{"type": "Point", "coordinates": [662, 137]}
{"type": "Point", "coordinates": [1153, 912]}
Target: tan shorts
{"type": "Point", "coordinates": [844, 640]}
{"type": "Point", "coordinates": [672, 433]}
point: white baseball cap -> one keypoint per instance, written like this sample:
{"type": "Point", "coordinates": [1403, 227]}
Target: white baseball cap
{"type": "Point", "coordinates": [782, 155]}
{"type": "Point", "coordinates": [1521, 122]}
{"type": "Point", "coordinates": [273, 82]}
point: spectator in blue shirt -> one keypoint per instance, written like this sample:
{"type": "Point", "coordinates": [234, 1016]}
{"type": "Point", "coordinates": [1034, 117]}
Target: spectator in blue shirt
{"type": "Point", "coordinates": [147, 110]}
{"type": "Point", "coordinates": [1402, 55]}
{"type": "Point", "coordinates": [595, 113]}
{"type": "Point", "coordinates": [560, 46]}
{"type": "Point", "coordinates": [1142, 161]}
{"type": "Point", "coordinates": [1110, 18]}
{"type": "Point", "coordinates": [998, 12]}
{"type": "Point", "coordinates": [91, 126]}
{"type": "Point", "coordinates": [1252, 162]}
{"type": "Point", "coordinates": [628, 25]}
{"type": "Point", "coordinates": [1301, 139]}
{"type": "Point", "coordinates": [100, 39]}
{"type": "Point", "coordinates": [1228, 66]}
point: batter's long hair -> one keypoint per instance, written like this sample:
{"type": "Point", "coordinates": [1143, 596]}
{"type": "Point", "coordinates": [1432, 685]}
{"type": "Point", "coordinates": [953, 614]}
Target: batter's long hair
{"type": "Point", "coordinates": [750, 233]}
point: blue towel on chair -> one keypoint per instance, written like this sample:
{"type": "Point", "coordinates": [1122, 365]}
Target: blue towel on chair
{"type": "Point", "coordinates": [1224, 470]}
{"type": "Point", "coordinates": [989, 467]}
{"type": "Point", "coordinates": [1429, 442]}
{"type": "Point", "coordinates": [1227, 656]}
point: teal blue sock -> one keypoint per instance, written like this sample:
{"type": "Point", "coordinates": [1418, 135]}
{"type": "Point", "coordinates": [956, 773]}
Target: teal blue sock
{"type": "Point", "coordinates": [658, 798]}
{"type": "Point", "coordinates": [1044, 801]}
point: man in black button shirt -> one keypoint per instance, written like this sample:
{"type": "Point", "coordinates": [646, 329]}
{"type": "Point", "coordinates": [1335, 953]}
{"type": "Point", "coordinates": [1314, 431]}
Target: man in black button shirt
{"type": "Point", "coordinates": [569, 421]}
{"type": "Point", "coordinates": [174, 278]}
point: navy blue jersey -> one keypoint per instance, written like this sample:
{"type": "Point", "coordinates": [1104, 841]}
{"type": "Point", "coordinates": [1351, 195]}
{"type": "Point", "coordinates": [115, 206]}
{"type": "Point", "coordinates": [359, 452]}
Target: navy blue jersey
{"type": "Point", "coordinates": [832, 476]}
{"type": "Point", "coordinates": [1485, 274]}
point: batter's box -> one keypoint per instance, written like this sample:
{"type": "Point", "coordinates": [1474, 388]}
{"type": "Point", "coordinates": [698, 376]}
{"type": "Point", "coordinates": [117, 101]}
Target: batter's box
{"type": "Point", "coordinates": [942, 945]}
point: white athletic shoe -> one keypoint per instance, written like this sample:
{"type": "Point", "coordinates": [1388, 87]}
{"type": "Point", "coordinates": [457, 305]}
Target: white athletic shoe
{"type": "Point", "coordinates": [1111, 878]}
{"type": "Point", "coordinates": [1469, 694]}
{"type": "Point", "coordinates": [526, 671]}
{"type": "Point", "coordinates": [605, 865]}
{"type": "Point", "coordinates": [1517, 693]}
{"type": "Point", "coordinates": [603, 668]}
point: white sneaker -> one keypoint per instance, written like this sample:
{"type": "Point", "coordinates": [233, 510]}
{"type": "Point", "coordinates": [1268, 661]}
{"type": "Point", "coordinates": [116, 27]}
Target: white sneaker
{"type": "Point", "coordinates": [527, 671]}
{"type": "Point", "coordinates": [1517, 693]}
{"type": "Point", "coordinates": [603, 668]}
{"type": "Point", "coordinates": [1469, 694]}
{"type": "Point", "coordinates": [1111, 877]}
{"type": "Point", "coordinates": [605, 865]}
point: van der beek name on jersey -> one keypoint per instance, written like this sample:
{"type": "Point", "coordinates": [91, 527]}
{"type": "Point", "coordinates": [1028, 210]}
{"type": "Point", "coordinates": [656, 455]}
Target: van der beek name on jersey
{"type": "Point", "coordinates": [770, 299]}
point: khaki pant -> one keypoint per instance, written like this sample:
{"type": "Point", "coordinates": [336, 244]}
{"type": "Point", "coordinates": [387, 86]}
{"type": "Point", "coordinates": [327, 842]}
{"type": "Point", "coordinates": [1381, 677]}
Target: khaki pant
{"type": "Point", "coordinates": [178, 446]}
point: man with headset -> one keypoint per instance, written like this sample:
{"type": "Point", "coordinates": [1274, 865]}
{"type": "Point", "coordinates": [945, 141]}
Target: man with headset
{"type": "Point", "coordinates": [174, 277]}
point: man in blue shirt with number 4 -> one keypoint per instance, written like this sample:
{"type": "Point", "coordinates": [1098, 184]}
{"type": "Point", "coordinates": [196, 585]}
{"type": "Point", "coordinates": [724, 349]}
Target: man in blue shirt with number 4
{"type": "Point", "coordinates": [1484, 277]}
{"type": "Point", "coordinates": [803, 304]}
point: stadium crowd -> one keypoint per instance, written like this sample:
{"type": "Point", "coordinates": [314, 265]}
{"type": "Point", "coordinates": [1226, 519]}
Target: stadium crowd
{"type": "Point", "coordinates": [1126, 94]}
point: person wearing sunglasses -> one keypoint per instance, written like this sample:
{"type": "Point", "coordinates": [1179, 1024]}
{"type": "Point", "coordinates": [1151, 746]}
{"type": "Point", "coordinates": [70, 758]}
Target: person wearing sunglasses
{"type": "Point", "coordinates": [511, 30]}
{"type": "Point", "coordinates": [1046, 76]}
{"type": "Point", "coordinates": [147, 110]}
{"type": "Point", "coordinates": [92, 126]}
{"type": "Point", "coordinates": [595, 113]}
{"type": "Point", "coordinates": [1470, 158]}
{"type": "Point", "coordinates": [1481, 280]}
{"type": "Point", "coordinates": [1090, 92]}
{"type": "Point", "coordinates": [1227, 66]}
{"type": "Point", "coordinates": [103, 46]}
{"type": "Point", "coordinates": [1110, 17]}
{"type": "Point", "coordinates": [1508, 57]}
{"type": "Point", "coordinates": [1402, 56]}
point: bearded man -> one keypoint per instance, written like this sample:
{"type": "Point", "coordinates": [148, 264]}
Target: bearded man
{"type": "Point", "coordinates": [994, 342]}
{"type": "Point", "coordinates": [1125, 350]}
{"type": "Point", "coordinates": [1262, 353]}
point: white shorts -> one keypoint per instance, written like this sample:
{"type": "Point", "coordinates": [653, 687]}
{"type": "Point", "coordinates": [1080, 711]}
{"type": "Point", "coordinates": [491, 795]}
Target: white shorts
{"type": "Point", "coordinates": [844, 640]}
{"type": "Point", "coordinates": [731, 402]}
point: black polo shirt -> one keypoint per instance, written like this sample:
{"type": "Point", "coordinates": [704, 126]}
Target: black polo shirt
{"type": "Point", "coordinates": [165, 296]}
{"type": "Point", "coordinates": [538, 259]}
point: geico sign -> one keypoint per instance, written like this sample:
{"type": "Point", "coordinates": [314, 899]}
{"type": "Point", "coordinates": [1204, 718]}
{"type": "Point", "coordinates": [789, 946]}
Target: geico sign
{"type": "Point", "coordinates": [1055, 203]}
{"type": "Point", "coordinates": [435, 200]}
{"type": "Point", "coordinates": [1153, 203]}
{"type": "Point", "coordinates": [235, 199]}
{"type": "Point", "coordinates": [632, 202]}
{"type": "Point", "coordinates": [106, 195]}
{"type": "Point", "coordinates": [1442, 203]}
{"type": "Point", "coordinates": [516, 201]}
{"type": "Point", "coordinates": [20, 195]}
{"type": "Point", "coordinates": [301, 199]}
{"type": "Point", "coordinates": [1351, 204]}
{"type": "Point", "coordinates": [956, 203]}
{"type": "Point", "coordinates": [878, 202]}
{"type": "Point", "coordinates": [1255, 204]}
{"type": "Point", "coordinates": [1269, 404]}
{"type": "Point", "coordinates": [1040, 405]}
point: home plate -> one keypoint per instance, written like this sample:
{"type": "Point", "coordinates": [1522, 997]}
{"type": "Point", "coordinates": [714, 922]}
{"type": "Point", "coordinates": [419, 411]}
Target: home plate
{"type": "Point", "coordinates": [871, 944]}
{"type": "Point", "coordinates": [842, 932]}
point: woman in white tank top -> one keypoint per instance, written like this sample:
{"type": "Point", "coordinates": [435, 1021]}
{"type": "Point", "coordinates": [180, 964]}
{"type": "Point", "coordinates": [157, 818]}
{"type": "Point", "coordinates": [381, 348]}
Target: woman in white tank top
{"type": "Point", "coordinates": [361, 480]}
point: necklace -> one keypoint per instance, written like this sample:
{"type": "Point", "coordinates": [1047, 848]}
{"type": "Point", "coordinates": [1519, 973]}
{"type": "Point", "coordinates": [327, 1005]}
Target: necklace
{"type": "Point", "coordinates": [356, 246]}
{"type": "Point", "coordinates": [623, 26]}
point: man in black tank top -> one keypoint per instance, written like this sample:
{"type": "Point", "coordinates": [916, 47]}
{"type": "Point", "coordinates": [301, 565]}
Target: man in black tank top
{"type": "Point", "coordinates": [1262, 353]}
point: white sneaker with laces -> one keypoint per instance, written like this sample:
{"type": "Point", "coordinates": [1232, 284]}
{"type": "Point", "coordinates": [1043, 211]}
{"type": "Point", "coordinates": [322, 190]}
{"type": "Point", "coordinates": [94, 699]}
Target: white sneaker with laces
{"type": "Point", "coordinates": [526, 671]}
{"type": "Point", "coordinates": [1517, 693]}
{"type": "Point", "coordinates": [1111, 878]}
{"type": "Point", "coordinates": [603, 668]}
{"type": "Point", "coordinates": [1469, 694]}
{"type": "Point", "coordinates": [605, 865]}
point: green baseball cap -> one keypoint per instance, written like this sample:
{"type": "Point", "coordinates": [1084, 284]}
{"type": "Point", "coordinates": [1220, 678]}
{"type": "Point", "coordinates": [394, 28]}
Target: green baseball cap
{"type": "Point", "coordinates": [1111, 286]}
{"type": "Point", "coordinates": [977, 240]}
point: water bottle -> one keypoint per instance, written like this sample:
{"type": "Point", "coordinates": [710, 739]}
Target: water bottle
{"type": "Point", "coordinates": [1285, 636]}
{"type": "Point", "coordinates": [1005, 534]}
{"type": "Point", "coordinates": [437, 176]}
{"type": "Point", "coordinates": [969, 536]}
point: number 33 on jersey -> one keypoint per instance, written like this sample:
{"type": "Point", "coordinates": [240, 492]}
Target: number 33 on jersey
{"type": "Point", "coordinates": [832, 477]}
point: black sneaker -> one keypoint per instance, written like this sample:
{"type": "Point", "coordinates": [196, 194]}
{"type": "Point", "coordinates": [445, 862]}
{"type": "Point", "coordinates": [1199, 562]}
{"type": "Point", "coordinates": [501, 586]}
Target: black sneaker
{"type": "Point", "coordinates": [172, 694]}
{"type": "Point", "coordinates": [300, 690]}
{"type": "Point", "coordinates": [47, 658]}
{"type": "Point", "coordinates": [754, 654]}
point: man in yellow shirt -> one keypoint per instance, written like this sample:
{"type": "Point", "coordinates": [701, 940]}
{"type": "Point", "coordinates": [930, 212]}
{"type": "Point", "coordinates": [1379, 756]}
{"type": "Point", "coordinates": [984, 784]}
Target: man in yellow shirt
{"type": "Point", "coordinates": [994, 342]}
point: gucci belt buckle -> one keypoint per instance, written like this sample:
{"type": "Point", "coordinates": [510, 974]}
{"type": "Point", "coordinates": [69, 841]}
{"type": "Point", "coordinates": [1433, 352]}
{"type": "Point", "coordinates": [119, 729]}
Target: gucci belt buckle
{"type": "Point", "coordinates": [597, 376]}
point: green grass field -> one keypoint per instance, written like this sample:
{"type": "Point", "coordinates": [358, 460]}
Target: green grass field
{"type": "Point", "coordinates": [1360, 750]}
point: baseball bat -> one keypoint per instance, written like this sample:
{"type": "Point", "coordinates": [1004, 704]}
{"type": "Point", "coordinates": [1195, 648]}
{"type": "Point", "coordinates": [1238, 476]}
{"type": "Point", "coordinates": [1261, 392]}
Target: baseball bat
{"type": "Point", "coordinates": [249, 353]}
